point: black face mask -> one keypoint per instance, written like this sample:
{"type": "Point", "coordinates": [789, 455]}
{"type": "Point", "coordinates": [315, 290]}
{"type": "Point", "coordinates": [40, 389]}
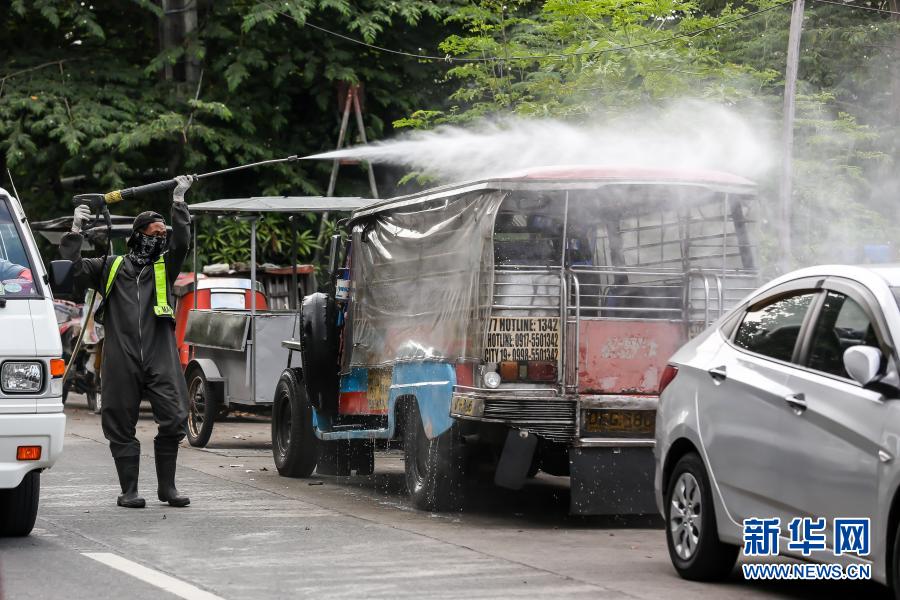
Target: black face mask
{"type": "Point", "coordinates": [147, 248]}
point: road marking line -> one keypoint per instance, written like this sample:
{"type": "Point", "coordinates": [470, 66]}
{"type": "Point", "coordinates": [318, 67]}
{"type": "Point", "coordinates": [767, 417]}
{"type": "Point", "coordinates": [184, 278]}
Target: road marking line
{"type": "Point", "coordinates": [155, 578]}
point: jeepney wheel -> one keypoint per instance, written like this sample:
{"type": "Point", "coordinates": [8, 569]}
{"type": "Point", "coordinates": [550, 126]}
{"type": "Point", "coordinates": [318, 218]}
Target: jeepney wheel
{"type": "Point", "coordinates": [294, 444]}
{"type": "Point", "coordinates": [434, 468]}
{"type": "Point", "coordinates": [319, 338]}
{"type": "Point", "coordinates": [202, 407]}
{"type": "Point", "coordinates": [691, 532]}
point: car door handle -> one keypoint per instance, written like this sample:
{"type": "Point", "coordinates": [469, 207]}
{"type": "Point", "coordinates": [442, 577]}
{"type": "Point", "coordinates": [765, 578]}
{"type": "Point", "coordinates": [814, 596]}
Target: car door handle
{"type": "Point", "coordinates": [719, 374]}
{"type": "Point", "coordinates": [797, 402]}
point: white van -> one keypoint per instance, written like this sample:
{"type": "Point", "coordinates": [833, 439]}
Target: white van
{"type": "Point", "coordinates": [32, 423]}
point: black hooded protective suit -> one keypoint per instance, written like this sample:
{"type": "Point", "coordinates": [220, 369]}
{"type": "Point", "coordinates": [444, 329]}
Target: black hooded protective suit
{"type": "Point", "coordinates": [140, 358]}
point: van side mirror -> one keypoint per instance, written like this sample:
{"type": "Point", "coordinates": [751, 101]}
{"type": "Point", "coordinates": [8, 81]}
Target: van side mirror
{"type": "Point", "coordinates": [61, 278]}
{"type": "Point", "coordinates": [334, 255]}
{"type": "Point", "coordinates": [863, 363]}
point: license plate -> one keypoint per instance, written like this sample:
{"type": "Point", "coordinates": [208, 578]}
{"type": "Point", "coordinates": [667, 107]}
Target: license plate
{"type": "Point", "coordinates": [460, 405]}
{"type": "Point", "coordinates": [620, 421]}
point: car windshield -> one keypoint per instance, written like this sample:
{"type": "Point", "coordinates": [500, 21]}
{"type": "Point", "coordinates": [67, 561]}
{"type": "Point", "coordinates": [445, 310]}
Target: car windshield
{"type": "Point", "coordinates": [896, 291]}
{"type": "Point", "coordinates": [16, 280]}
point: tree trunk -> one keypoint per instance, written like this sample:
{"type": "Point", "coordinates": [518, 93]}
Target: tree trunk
{"type": "Point", "coordinates": [178, 22]}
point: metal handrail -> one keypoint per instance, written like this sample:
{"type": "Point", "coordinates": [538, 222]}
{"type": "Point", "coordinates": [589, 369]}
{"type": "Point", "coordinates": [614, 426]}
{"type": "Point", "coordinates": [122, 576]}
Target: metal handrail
{"type": "Point", "coordinates": [576, 288]}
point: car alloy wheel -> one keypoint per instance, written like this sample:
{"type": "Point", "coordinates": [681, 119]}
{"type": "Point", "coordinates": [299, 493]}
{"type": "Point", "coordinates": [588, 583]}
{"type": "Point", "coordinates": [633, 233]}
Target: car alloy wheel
{"type": "Point", "coordinates": [692, 535]}
{"type": "Point", "coordinates": [685, 519]}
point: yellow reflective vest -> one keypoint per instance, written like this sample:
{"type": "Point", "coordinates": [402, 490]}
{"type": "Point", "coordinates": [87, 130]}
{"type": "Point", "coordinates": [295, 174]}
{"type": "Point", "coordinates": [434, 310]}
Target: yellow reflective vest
{"type": "Point", "coordinates": [161, 308]}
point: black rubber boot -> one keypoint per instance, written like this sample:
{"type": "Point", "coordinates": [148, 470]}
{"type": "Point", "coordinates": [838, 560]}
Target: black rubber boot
{"type": "Point", "coordinates": [165, 477]}
{"type": "Point", "coordinates": [128, 468]}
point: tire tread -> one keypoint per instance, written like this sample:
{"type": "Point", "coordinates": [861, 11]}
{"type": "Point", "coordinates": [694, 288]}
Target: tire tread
{"type": "Point", "coordinates": [210, 410]}
{"type": "Point", "coordinates": [439, 489]}
{"type": "Point", "coordinates": [19, 506]}
{"type": "Point", "coordinates": [303, 454]}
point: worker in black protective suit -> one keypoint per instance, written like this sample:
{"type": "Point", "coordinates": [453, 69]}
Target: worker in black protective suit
{"type": "Point", "coordinates": [140, 358]}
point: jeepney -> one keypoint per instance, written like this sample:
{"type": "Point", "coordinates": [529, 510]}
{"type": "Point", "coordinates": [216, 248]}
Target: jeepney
{"type": "Point", "coordinates": [524, 320]}
{"type": "Point", "coordinates": [231, 345]}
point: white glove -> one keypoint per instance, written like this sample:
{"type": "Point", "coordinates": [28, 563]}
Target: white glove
{"type": "Point", "coordinates": [184, 184]}
{"type": "Point", "coordinates": [82, 215]}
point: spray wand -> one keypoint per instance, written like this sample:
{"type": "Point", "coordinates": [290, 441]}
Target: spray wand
{"type": "Point", "coordinates": [98, 203]}
{"type": "Point", "coordinates": [169, 184]}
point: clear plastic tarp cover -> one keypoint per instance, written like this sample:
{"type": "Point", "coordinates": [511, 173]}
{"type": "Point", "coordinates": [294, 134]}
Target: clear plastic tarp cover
{"type": "Point", "coordinates": [421, 280]}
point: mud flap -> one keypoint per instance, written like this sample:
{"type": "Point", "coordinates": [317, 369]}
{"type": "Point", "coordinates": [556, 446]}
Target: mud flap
{"type": "Point", "coordinates": [516, 459]}
{"type": "Point", "coordinates": [341, 457]}
{"type": "Point", "coordinates": [612, 481]}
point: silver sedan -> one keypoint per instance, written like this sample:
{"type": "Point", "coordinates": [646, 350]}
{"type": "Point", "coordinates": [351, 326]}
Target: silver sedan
{"type": "Point", "coordinates": [787, 408]}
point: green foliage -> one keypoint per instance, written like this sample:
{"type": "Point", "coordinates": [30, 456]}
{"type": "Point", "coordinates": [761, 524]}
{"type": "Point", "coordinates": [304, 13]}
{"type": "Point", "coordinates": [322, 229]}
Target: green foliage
{"type": "Point", "coordinates": [85, 104]}
{"type": "Point", "coordinates": [228, 240]}
{"type": "Point", "coordinates": [563, 58]}
{"type": "Point", "coordinates": [593, 59]}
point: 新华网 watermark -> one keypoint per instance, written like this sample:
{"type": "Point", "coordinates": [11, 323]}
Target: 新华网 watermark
{"type": "Point", "coordinates": [808, 537]}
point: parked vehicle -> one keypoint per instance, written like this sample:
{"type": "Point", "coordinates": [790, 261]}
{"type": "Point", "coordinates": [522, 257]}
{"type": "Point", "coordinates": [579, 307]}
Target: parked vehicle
{"type": "Point", "coordinates": [787, 407]}
{"type": "Point", "coordinates": [32, 423]}
{"type": "Point", "coordinates": [520, 322]}
{"type": "Point", "coordinates": [230, 338]}
{"type": "Point", "coordinates": [84, 374]}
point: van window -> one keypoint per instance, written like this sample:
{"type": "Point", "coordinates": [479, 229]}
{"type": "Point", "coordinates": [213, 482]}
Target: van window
{"type": "Point", "coordinates": [16, 279]}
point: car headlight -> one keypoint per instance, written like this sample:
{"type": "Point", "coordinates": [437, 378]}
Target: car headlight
{"type": "Point", "coordinates": [21, 377]}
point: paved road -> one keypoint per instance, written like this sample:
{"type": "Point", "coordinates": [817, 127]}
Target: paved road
{"type": "Point", "coordinates": [252, 534]}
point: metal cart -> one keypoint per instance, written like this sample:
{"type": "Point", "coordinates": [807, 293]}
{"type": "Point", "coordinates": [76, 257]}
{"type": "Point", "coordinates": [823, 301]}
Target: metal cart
{"type": "Point", "coordinates": [236, 356]}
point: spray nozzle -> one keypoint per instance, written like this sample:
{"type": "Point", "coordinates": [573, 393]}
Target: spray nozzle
{"type": "Point", "coordinates": [98, 206]}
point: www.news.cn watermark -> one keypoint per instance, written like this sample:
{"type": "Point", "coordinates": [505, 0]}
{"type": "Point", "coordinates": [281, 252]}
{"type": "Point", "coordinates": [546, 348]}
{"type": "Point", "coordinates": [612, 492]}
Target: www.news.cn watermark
{"type": "Point", "coordinates": [807, 536]}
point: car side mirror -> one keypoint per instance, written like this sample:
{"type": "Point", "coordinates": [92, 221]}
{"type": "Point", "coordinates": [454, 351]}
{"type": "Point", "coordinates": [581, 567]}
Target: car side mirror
{"type": "Point", "coordinates": [863, 363]}
{"type": "Point", "coordinates": [61, 278]}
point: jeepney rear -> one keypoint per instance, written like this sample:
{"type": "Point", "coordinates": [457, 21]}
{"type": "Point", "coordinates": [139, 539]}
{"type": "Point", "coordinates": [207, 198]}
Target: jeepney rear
{"type": "Point", "coordinates": [598, 276]}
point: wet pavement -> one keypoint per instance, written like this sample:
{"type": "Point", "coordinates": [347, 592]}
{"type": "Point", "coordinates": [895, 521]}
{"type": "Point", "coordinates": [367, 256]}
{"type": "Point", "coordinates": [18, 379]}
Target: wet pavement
{"type": "Point", "coordinates": [252, 534]}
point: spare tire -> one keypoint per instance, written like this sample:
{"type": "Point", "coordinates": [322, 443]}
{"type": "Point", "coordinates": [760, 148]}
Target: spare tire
{"type": "Point", "coordinates": [320, 345]}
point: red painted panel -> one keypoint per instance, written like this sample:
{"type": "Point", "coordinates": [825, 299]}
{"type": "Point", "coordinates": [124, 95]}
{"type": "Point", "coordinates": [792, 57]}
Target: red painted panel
{"type": "Point", "coordinates": [625, 357]}
{"type": "Point", "coordinates": [353, 403]}
{"type": "Point", "coordinates": [465, 374]}
{"type": "Point", "coordinates": [261, 303]}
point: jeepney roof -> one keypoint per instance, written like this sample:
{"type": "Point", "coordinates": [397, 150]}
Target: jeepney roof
{"type": "Point", "coordinates": [576, 177]}
{"type": "Point", "coordinates": [280, 204]}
